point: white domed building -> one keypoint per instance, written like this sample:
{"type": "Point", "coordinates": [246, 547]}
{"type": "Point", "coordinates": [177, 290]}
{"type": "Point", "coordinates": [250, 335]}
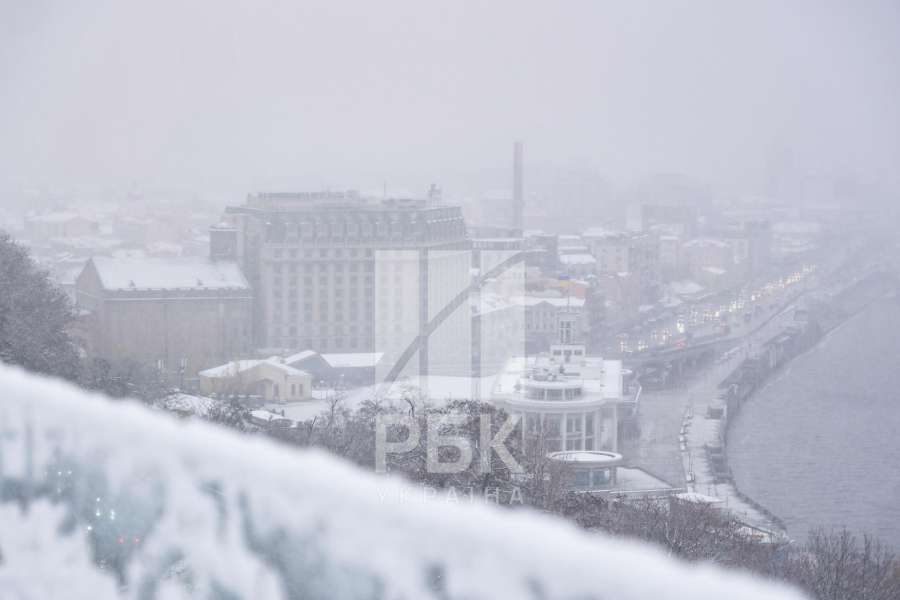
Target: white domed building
{"type": "Point", "coordinates": [569, 400]}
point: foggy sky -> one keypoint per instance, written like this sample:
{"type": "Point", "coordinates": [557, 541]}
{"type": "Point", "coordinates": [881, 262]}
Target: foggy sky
{"type": "Point", "coordinates": [345, 94]}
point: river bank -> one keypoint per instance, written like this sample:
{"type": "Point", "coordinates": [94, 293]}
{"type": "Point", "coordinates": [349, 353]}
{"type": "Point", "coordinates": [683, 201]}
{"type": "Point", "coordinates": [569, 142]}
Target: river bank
{"type": "Point", "coordinates": [680, 440]}
{"type": "Point", "coordinates": [819, 316]}
{"type": "Point", "coordinates": [818, 442]}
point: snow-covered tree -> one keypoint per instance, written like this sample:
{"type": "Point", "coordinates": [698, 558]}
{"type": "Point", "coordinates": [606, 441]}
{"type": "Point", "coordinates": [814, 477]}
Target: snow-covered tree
{"type": "Point", "coordinates": [34, 315]}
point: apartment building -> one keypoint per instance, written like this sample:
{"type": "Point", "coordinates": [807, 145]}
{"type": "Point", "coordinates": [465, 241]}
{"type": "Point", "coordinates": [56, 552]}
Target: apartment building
{"type": "Point", "coordinates": [632, 255]}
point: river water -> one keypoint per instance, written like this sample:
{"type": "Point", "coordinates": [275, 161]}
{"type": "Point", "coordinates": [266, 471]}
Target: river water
{"type": "Point", "coordinates": [819, 445]}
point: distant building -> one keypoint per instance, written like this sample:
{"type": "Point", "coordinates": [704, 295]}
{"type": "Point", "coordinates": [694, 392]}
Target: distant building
{"type": "Point", "coordinates": [633, 255]}
{"type": "Point", "coordinates": [182, 315]}
{"type": "Point", "coordinates": [566, 400]}
{"type": "Point", "coordinates": [551, 321]}
{"type": "Point", "coordinates": [711, 262]}
{"type": "Point", "coordinates": [681, 219]}
{"type": "Point", "coordinates": [270, 379]}
{"type": "Point", "coordinates": [63, 224]}
{"type": "Point", "coordinates": [605, 473]}
{"type": "Point", "coordinates": [671, 260]}
{"type": "Point", "coordinates": [337, 272]}
{"type": "Point", "coordinates": [759, 236]}
{"type": "Point", "coordinates": [579, 266]}
{"type": "Point", "coordinates": [497, 322]}
{"type": "Point", "coordinates": [350, 369]}
{"type": "Point", "coordinates": [544, 252]}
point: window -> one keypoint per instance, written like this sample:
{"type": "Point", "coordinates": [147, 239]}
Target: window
{"type": "Point", "coordinates": [532, 423]}
{"type": "Point", "coordinates": [553, 425]}
{"type": "Point", "coordinates": [582, 479]}
{"type": "Point", "coordinates": [574, 443]}
{"type": "Point", "coordinates": [600, 477]}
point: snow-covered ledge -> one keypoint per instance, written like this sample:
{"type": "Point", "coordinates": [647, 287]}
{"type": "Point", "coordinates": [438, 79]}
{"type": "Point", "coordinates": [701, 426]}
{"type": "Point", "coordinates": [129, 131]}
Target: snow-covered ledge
{"type": "Point", "coordinates": [109, 500]}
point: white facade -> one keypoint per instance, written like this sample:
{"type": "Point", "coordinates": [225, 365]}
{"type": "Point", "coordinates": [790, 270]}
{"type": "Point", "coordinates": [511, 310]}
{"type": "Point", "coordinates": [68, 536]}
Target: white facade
{"type": "Point", "coordinates": [269, 378]}
{"type": "Point", "coordinates": [566, 399]}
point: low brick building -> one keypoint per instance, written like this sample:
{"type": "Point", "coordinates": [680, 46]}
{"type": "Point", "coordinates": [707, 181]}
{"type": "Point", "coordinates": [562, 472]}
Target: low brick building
{"type": "Point", "coordinates": [182, 315]}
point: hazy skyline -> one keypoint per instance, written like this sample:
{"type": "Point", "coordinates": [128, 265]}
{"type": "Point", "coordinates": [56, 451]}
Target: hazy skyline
{"type": "Point", "coordinates": [349, 94]}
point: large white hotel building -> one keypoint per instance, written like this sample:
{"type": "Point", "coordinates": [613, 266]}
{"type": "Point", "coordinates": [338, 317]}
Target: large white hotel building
{"type": "Point", "coordinates": [339, 272]}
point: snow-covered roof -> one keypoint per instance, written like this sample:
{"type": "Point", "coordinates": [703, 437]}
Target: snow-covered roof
{"type": "Point", "coordinates": [698, 498]}
{"type": "Point", "coordinates": [601, 232]}
{"type": "Point", "coordinates": [697, 242]}
{"type": "Point", "coordinates": [55, 217]}
{"type": "Point", "coordinates": [573, 249]}
{"type": "Point", "coordinates": [266, 415]}
{"type": "Point", "coordinates": [635, 480]}
{"type": "Point", "coordinates": [570, 302]}
{"type": "Point", "coordinates": [353, 360]}
{"type": "Point", "coordinates": [299, 356]}
{"type": "Point", "coordinates": [236, 367]}
{"type": "Point", "coordinates": [568, 237]}
{"type": "Point", "coordinates": [598, 376]}
{"type": "Point", "coordinates": [797, 227]}
{"type": "Point", "coordinates": [714, 270]}
{"type": "Point", "coordinates": [168, 274]}
{"type": "Point", "coordinates": [487, 302]}
{"type": "Point", "coordinates": [686, 287]}
{"type": "Point", "coordinates": [188, 403]}
{"type": "Point", "coordinates": [577, 259]}
{"type": "Point", "coordinates": [671, 302]}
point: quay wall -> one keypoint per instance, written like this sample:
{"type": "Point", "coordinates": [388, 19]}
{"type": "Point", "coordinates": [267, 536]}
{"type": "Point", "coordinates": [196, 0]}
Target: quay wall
{"type": "Point", "coordinates": [824, 314]}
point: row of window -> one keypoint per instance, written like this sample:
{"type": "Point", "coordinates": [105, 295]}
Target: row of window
{"type": "Point", "coordinates": [326, 344]}
{"type": "Point", "coordinates": [550, 425]}
{"type": "Point", "coordinates": [322, 267]}
{"type": "Point", "coordinates": [395, 226]}
{"type": "Point", "coordinates": [536, 392]}
{"type": "Point", "coordinates": [337, 280]}
{"type": "Point", "coordinates": [321, 253]}
{"type": "Point", "coordinates": [323, 329]}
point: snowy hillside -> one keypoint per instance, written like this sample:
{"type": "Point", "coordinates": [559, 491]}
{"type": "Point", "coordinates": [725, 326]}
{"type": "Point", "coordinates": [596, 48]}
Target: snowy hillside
{"type": "Point", "coordinates": [110, 500]}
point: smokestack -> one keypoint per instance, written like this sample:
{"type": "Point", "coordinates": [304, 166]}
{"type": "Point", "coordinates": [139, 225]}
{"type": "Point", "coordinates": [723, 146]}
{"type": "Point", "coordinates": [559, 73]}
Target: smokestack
{"type": "Point", "coordinates": [518, 197]}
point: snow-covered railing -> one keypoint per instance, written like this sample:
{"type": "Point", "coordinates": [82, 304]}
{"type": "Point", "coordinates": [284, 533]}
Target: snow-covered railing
{"type": "Point", "coordinates": [100, 499]}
